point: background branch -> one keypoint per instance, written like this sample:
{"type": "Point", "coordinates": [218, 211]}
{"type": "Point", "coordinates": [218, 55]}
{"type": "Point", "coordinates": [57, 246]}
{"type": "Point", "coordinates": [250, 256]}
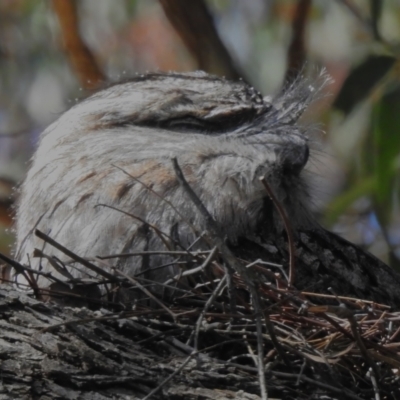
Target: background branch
{"type": "Point", "coordinates": [80, 56]}
{"type": "Point", "coordinates": [297, 51]}
{"type": "Point", "coordinates": [193, 22]}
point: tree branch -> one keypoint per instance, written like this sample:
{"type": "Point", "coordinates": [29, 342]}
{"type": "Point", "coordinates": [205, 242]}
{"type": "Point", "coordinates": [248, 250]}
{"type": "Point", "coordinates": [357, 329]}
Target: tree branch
{"type": "Point", "coordinates": [80, 56]}
{"type": "Point", "coordinates": [194, 24]}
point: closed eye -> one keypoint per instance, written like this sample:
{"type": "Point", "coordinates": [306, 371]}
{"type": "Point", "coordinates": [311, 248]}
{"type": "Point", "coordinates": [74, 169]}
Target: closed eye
{"type": "Point", "coordinates": [193, 124]}
{"type": "Point", "coordinates": [190, 124]}
{"type": "Point", "coordinates": [216, 125]}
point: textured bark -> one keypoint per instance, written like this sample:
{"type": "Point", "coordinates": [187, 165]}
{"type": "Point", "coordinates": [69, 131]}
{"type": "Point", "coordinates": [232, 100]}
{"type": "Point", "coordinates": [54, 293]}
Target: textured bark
{"type": "Point", "coordinates": [97, 360]}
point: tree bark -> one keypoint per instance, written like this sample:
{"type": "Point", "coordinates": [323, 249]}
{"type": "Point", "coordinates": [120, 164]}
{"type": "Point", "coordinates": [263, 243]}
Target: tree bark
{"type": "Point", "coordinates": [99, 360]}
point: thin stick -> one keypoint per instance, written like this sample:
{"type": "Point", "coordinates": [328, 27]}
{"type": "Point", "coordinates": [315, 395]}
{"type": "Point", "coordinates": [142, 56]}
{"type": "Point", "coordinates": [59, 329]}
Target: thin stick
{"type": "Point", "coordinates": [165, 381]}
{"type": "Point", "coordinates": [54, 262]}
{"type": "Point", "coordinates": [152, 253]}
{"type": "Point", "coordinates": [361, 345]}
{"type": "Point", "coordinates": [151, 190]}
{"type": "Point", "coordinates": [331, 296]}
{"type": "Point", "coordinates": [285, 220]}
{"type": "Point", "coordinates": [194, 270]}
{"type": "Point", "coordinates": [211, 299]}
{"type": "Point", "coordinates": [159, 232]}
{"type": "Point", "coordinates": [372, 377]}
{"type": "Point", "coordinates": [215, 236]}
{"type": "Point", "coordinates": [74, 256]}
{"type": "Point", "coordinates": [147, 292]}
{"type": "Point", "coordinates": [275, 341]}
{"type": "Point", "coordinates": [21, 269]}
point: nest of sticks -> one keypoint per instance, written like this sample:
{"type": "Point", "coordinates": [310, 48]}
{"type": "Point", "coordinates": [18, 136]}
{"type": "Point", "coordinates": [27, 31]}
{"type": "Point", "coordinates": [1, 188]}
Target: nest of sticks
{"type": "Point", "coordinates": [248, 316]}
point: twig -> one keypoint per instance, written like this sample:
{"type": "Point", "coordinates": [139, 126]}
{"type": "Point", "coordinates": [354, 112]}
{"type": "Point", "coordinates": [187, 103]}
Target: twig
{"type": "Point", "coordinates": [152, 253]}
{"type": "Point", "coordinates": [147, 292]}
{"type": "Point", "coordinates": [301, 371]}
{"type": "Point", "coordinates": [371, 375]}
{"type": "Point", "coordinates": [152, 282]}
{"type": "Point", "coordinates": [47, 275]}
{"type": "Point", "coordinates": [74, 256]}
{"type": "Point", "coordinates": [165, 381]}
{"type": "Point", "coordinates": [361, 345]}
{"type": "Point", "coordinates": [316, 383]}
{"type": "Point", "coordinates": [195, 270]}
{"type": "Point", "coordinates": [337, 326]}
{"type": "Point", "coordinates": [19, 268]}
{"type": "Point", "coordinates": [162, 266]}
{"type": "Point", "coordinates": [164, 199]}
{"type": "Point", "coordinates": [330, 296]}
{"type": "Point", "coordinates": [211, 299]}
{"type": "Point", "coordinates": [54, 262]}
{"type": "Point", "coordinates": [394, 334]}
{"type": "Point", "coordinates": [285, 220]}
{"type": "Point", "coordinates": [275, 341]}
{"type": "Point", "coordinates": [79, 321]}
{"type": "Point", "coordinates": [270, 264]}
{"type": "Point", "coordinates": [215, 235]}
{"type": "Point", "coordinates": [162, 235]}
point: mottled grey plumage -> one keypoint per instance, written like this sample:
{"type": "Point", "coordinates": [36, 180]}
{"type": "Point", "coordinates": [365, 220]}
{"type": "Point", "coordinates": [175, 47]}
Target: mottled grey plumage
{"type": "Point", "coordinates": [110, 148]}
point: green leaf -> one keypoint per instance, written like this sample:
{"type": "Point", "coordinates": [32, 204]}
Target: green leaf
{"type": "Point", "coordinates": [386, 150]}
{"type": "Point", "coordinates": [361, 81]}
{"type": "Point", "coordinates": [341, 203]}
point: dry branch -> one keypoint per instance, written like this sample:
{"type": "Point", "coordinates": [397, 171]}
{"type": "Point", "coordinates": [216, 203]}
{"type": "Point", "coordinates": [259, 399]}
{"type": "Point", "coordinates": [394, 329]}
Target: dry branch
{"type": "Point", "coordinates": [194, 24]}
{"type": "Point", "coordinates": [297, 51]}
{"type": "Point", "coordinates": [79, 54]}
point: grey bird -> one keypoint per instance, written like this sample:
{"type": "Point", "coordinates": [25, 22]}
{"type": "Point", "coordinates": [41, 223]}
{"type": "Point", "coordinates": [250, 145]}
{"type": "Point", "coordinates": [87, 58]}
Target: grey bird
{"type": "Point", "coordinates": [102, 181]}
